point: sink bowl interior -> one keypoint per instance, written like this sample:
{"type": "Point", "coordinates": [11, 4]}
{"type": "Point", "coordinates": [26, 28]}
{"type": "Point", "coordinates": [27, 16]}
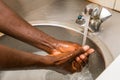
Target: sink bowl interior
{"type": "Point", "coordinates": [96, 61]}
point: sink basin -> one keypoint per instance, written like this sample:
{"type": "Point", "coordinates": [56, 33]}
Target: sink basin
{"type": "Point", "coordinates": [97, 62]}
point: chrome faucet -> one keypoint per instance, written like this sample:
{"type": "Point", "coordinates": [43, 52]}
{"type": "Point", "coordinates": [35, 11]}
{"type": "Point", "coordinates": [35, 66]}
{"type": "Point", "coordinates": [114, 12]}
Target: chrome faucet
{"type": "Point", "coordinates": [97, 15]}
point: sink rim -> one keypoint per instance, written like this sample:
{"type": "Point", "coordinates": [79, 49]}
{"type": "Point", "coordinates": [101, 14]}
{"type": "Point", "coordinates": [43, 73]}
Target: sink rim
{"type": "Point", "coordinates": [108, 58]}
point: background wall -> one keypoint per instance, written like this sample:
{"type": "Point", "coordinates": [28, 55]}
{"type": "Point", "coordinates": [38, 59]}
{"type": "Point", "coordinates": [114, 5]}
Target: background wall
{"type": "Point", "coordinates": [113, 4]}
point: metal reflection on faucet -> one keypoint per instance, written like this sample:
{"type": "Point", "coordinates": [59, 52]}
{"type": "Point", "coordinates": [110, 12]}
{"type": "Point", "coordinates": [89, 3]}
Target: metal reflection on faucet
{"type": "Point", "coordinates": [105, 14]}
{"type": "Point", "coordinates": [97, 14]}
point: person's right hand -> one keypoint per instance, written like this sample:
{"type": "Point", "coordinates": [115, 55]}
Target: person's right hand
{"type": "Point", "coordinates": [70, 56]}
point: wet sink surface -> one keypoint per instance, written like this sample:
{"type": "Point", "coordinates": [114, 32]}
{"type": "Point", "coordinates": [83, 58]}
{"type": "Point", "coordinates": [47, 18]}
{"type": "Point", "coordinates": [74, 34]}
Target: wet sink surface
{"type": "Point", "coordinates": [97, 62]}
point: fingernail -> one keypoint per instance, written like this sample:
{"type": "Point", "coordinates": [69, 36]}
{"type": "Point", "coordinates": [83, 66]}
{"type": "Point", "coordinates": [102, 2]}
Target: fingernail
{"type": "Point", "coordinates": [86, 47]}
{"type": "Point", "coordinates": [92, 50]}
{"type": "Point", "coordinates": [82, 57]}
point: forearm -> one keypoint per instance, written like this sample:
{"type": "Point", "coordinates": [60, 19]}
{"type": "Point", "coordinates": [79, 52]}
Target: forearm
{"type": "Point", "coordinates": [13, 25]}
{"type": "Point", "coordinates": [11, 58]}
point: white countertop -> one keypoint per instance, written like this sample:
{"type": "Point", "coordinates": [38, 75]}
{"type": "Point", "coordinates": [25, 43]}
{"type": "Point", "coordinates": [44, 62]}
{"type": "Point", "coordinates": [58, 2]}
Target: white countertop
{"type": "Point", "coordinates": [112, 72]}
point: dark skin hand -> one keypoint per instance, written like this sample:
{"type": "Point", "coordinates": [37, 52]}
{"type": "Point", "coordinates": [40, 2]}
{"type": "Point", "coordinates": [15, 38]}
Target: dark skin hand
{"type": "Point", "coordinates": [68, 58]}
{"type": "Point", "coordinates": [71, 56]}
{"type": "Point", "coordinates": [68, 55]}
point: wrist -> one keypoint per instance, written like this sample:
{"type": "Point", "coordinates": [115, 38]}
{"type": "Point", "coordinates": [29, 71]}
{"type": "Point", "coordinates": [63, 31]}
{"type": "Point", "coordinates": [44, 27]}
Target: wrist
{"type": "Point", "coordinates": [45, 61]}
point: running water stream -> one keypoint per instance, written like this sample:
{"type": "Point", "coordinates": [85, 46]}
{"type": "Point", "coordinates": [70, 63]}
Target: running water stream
{"type": "Point", "coordinates": [86, 26]}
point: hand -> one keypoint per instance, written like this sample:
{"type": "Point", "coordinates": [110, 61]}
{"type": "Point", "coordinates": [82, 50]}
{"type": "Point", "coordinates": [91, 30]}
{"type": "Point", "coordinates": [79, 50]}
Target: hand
{"type": "Point", "coordinates": [70, 56]}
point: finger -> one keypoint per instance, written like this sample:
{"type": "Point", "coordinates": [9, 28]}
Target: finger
{"type": "Point", "coordinates": [90, 51]}
{"type": "Point", "coordinates": [85, 48]}
{"type": "Point", "coordinates": [82, 56]}
{"type": "Point", "coordinates": [81, 61]}
{"type": "Point", "coordinates": [86, 54]}
{"type": "Point", "coordinates": [78, 60]}
{"type": "Point", "coordinates": [76, 66]}
{"type": "Point", "coordinates": [84, 59]}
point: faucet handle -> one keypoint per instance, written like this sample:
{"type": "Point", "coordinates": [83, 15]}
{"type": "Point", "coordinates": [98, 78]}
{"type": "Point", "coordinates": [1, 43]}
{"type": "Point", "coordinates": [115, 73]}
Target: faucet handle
{"type": "Point", "coordinates": [97, 16]}
{"type": "Point", "coordinates": [92, 9]}
{"type": "Point", "coordinates": [80, 20]}
{"type": "Point", "coordinates": [105, 14]}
